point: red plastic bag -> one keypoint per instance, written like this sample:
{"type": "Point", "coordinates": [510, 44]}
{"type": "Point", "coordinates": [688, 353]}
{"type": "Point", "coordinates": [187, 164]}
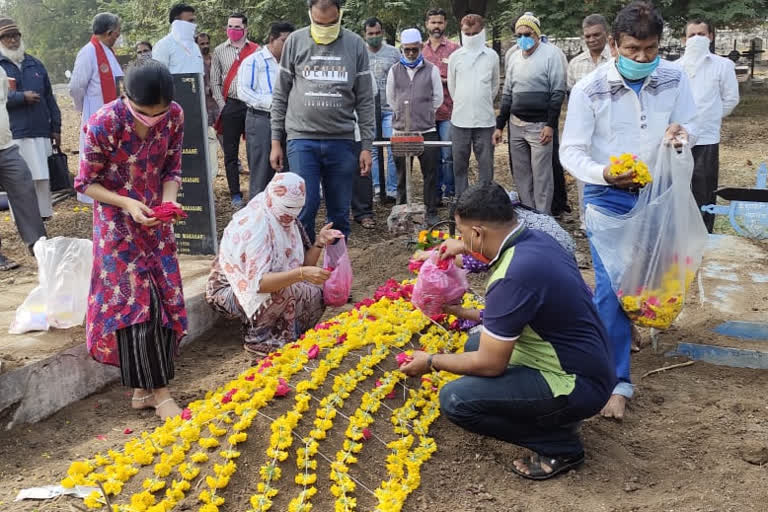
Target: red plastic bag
{"type": "Point", "coordinates": [439, 283]}
{"type": "Point", "coordinates": [336, 289]}
{"type": "Point", "coordinates": [168, 212]}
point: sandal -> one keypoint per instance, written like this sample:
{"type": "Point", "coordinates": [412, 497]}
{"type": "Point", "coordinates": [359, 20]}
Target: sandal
{"type": "Point", "coordinates": [557, 465]}
{"type": "Point", "coordinates": [6, 264]}
{"type": "Point", "coordinates": [368, 223]}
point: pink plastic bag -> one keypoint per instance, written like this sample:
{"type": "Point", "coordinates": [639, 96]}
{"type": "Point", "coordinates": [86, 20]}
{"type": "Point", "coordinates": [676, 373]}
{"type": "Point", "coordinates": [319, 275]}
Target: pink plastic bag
{"type": "Point", "coordinates": [439, 283]}
{"type": "Point", "coordinates": [336, 289]}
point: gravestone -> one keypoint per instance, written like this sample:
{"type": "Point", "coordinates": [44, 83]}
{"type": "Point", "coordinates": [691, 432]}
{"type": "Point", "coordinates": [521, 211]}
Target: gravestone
{"type": "Point", "coordinates": [197, 233]}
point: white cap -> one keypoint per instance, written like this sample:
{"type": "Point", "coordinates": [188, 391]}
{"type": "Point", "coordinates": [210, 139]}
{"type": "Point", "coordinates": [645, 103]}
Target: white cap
{"type": "Point", "coordinates": [410, 36]}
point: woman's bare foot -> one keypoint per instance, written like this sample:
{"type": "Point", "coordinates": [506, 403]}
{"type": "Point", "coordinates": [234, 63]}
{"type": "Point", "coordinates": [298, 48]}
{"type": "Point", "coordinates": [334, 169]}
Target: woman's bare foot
{"type": "Point", "coordinates": [615, 407]}
{"type": "Point", "coordinates": [143, 399]}
{"type": "Point", "coordinates": [165, 405]}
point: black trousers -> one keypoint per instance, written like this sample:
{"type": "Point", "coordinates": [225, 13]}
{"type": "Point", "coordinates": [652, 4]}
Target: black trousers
{"type": "Point", "coordinates": [362, 197]}
{"type": "Point", "coordinates": [706, 171]}
{"type": "Point", "coordinates": [560, 197]}
{"type": "Point", "coordinates": [429, 161]}
{"type": "Point", "coordinates": [233, 127]}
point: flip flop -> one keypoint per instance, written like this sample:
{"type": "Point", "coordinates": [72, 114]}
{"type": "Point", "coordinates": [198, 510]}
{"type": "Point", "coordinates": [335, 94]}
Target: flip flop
{"type": "Point", "coordinates": [557, 464]}
{"type": "Point", "coordinates": [368, 223]}
{"type": "Point", "coordinates": [6, 264]}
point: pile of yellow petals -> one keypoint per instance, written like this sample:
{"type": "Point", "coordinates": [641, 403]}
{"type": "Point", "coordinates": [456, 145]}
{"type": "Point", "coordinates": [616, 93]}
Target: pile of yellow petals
{"type": "Point", "coordinates": [659, 307]}
{"type": "Point", "coordinates": [199, 451]}
{"type": "Point", "coordinates": [629, 162]}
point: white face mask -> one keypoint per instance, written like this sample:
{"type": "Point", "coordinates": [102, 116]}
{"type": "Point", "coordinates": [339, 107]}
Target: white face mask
{"type": "Point", "coordinates": [474, 43]}
{"type": "Point", "coordinates": [696, 50]}
{"type": "Point", "coordinates": [183, 30]}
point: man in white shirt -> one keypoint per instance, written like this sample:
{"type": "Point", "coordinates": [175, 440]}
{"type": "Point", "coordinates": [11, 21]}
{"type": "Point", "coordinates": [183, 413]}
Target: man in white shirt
{"type": "Point", "coordinates": [716, 92]}
{"type": "Point", "coordinates": [473, 82]}
{"type": "Point", "coordinates": [178, 50]}
{"type": "Point", "coordinates": [415, 80]}
{"type": "Point", "coordinates": [256, 80]}
{"type": "Point", "coordinates": [93, 76]}
{"type": "Point", "coordinates": [627, 106]}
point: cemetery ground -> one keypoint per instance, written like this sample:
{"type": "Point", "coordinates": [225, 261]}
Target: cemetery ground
{"type": "Point", "coordinates": [694, 438]}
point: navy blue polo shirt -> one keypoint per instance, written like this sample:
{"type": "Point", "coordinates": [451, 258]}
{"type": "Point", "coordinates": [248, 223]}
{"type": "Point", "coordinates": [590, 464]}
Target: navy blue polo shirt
{"type": "Point", "coordinates": [537, 298]}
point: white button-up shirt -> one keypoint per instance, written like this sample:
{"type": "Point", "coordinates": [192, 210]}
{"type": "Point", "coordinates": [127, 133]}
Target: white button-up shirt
{"type": "Point", "coordinates": [256, 79]}
{"type": "Point", "coordinates": [178, 56]}
{"type": "Point", "coordinates": [606, 118]}
{"type": "Point", "coordinates": [473, 81]}
{"type": "Point", "coordinates": [716, 93]}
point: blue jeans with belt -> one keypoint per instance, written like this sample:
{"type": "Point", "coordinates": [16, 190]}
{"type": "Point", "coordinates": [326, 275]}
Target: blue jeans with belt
{"type": "Point", "coordinates": [614, 319]}
{"type": "Point", "coordinates": [516, 407]}
{"type": "Point", "coordinates": [389, 162]}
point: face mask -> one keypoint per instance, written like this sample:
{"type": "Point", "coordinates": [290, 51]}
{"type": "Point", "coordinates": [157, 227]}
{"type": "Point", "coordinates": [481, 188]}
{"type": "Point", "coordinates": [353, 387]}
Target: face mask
{"type": "Point", "coordinates": [479, 256]}
{"type": "Point", "coordinates": [411, 63]}
{"type": "Point", "coordinates": [696, 46]}
{"type": "Point", "coordinates": [632, 70]}
{"type": "Point", "coordinates": [183, 30]}
{"type": "Point", "coordinates": [144, 56]}
{"type": "Point", "coordinates": [375, 41]}
{"type": "Point", "coordinates": [474, 43]}
{"type": "Point", "coordinates": [235, 34]}
{"type": "Point", "coordinates": [325, 35]}
{"type": "Point", "coordinates": [525, 42]}
{"type": "Point", "coordinates": [147, 121]}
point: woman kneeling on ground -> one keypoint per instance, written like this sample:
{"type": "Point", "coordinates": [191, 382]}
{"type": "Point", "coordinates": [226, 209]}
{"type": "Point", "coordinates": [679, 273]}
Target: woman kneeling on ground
{"type": "Point", "coordinates": [541, 363]}
{"type": "Point", "coordinates": [266, 273]}
{"type": "Point", "coordinates": [132, 163]}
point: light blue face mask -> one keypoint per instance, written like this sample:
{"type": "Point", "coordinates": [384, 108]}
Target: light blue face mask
{"type": "Point", "coordinates": [525, 42]}
{"type": "Point", "coordinates": [632, 70]}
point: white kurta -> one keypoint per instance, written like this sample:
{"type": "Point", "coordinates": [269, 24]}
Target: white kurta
{"type": "Point", "coordinates": [85, 89]}
{"type": "Point", "coordinates": [35, 152]}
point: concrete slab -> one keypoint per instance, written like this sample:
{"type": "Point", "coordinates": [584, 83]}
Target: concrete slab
{"type": "Point", "coordinates": [744, 330]}
{"type": "Point", "coordinates": [50, 370]}
{"type": "Point", "coordinates": [722, 356]}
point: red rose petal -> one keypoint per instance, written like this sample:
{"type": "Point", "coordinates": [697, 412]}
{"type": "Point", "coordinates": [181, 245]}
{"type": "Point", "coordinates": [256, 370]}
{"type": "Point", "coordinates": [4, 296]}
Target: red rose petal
{"type": "Point", "coordinates": [186, 414]}
{"type": "Point", "coordinates": [313, 351]}
{"type": "Point", "coordinates": [128, 431]}
{"type": "Point", "coordinates": [101, 437]}
{"type": "Point", "coordinates": [367, 434]}
{"type": "Point", "coordinates": [282, 387]}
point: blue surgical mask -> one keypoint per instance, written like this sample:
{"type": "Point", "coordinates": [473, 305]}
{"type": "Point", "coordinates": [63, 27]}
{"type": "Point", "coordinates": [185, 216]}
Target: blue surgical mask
{"type": "Point", "coordinates": [525, 42]}
{"type": "Point", "coordinates": [632, 70]}
{"type": "Point", "coordinates": [411, 63]}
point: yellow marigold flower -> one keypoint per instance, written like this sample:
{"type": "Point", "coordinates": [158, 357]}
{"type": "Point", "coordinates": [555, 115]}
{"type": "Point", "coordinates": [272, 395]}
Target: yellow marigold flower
{"type": "Point", "coordinates": [305, 478]}
{"type": "Point", "coordinates": [260, 503]}
{"type": "Point", "coordinates": [216, 430]}
{"type": "Point", "coordinates": [153, 485]}
{"type": "Point", "coordinates": [210, 507]}
{"type": "Point", "coordinates": [113, 487]}
{"type": "Point", "coordinates": [81, 468]}
{"type": "Point", "coordinates": [208, 442]}
{"type": "Point", "coordinates": [94, 500]}
{"type": "Point", "coordinates": [199, 457]}
{"type": "Point", "coordinates": [188, 472]}
{"type": "Point", "coordinates": [141, 501]}
{"type": "Point", "coordinates": [240, 437]}
{"type": "Point", "coordinates": [162, 469]}
{"type": "Point", "coordinates": [270, 472]}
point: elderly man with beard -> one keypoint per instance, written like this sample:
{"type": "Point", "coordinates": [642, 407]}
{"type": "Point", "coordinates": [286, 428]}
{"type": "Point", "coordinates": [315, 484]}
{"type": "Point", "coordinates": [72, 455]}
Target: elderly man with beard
{"type": "Point", "coordinates": [34, 114]}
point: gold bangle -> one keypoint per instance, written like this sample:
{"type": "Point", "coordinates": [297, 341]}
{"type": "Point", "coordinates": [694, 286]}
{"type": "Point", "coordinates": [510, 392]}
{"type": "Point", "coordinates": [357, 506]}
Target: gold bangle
{"type": "Point", "coordinates": [301, 273]}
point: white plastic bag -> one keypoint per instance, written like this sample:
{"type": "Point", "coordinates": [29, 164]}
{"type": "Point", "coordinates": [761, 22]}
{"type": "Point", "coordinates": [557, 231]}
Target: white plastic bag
{"type": "Point", "coordinates": [652, 253]}
{"type": "Point", "coordinates": [61, 298]}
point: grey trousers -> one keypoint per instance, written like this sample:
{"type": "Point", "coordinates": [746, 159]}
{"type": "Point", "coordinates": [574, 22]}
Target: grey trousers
{"type": "Point", "coordinates": [706, 170]}
{"type": "Point", "coordinates": [532, 166]}
{"type": "Point", "coordinates": [466, 140]}
{"type": "Point", "coordinates": [258, 145]}
{"type": "Point", "coordinates": [16, 179]}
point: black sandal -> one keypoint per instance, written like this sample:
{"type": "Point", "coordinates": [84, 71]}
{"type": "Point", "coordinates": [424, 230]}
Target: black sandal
{"type": "Point", "coordinates": [6, 264]}
{"type": "Point", "coordinates": [558, 465]}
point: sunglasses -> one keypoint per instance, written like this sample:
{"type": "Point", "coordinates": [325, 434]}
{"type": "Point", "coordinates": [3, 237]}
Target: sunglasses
{"type": "Point", "coordinates": [16, 35]}
{"type": "Point", "coordinates": [411, 50]}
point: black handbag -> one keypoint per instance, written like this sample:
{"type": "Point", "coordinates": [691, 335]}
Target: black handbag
{"type": "Point", "coordinates": [58, 170]}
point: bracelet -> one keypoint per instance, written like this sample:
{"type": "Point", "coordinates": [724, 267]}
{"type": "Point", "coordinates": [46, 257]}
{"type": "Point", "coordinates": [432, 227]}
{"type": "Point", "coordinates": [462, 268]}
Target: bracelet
{"type": "Point", "coordinates": [429, 362]}
{"type": "Point", "coordinates": [301, 273]}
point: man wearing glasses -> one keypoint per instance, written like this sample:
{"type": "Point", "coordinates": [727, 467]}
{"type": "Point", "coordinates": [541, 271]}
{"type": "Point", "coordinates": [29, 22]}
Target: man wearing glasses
{"type": "Point", "coordinates": [534, 90]}
{"type": "Point", "coordinates": [417, 81]}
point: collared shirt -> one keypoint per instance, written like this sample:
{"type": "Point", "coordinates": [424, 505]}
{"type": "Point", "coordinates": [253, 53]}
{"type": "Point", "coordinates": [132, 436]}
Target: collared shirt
{"type": "Point", "coordinates": [716, 92]}
{"type": "Point", "coordinates": [381, 62]}
{"type": "Point", "coordinates": [223, 57]}
{"type": "Point", "coordinates": [607, 118]}
{"type": "Point", "coordinates": [582, 65]}
{"type": "Point", "coordinates": [256, 79]}
{"type": "Point", "coordinates": [439, 58]}
{"type": "Point", "coordinates": [178, 57]}
{"type": "Point", "coordinates": [473, 83]}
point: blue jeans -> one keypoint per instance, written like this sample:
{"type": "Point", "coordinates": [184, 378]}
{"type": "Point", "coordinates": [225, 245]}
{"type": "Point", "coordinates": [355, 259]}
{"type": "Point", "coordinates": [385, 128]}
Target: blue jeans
{"type": "Point", "coordinates": [516, 407]}
{"type": "Point", "coordinates": [614, 319]}
{"type": "Point", "coordinates": [445, 181]}
{"type": "Point", "coordinates": [389, 164]}
{"type": "Point", "coordinates": [332, 163]}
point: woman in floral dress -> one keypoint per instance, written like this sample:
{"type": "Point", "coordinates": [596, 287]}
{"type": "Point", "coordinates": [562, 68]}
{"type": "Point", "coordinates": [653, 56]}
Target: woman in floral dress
{"type": "Point", "coordinates": [132, 164]}
{"type": "Point", "coordinates": [266, 273]}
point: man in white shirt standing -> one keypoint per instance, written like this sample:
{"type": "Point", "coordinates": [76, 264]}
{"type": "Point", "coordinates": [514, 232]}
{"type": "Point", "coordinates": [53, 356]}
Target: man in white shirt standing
{"type": "Point", "coordinates": [256, 80]}
{"type": "Point", "coordinates": [716, 92]}
{"type": "Point", "coordinates": [178, 50]}
{"type": "Point", "coordinates": [595, 31]}
{"type": "Point", "coordinates": [473, 82]}
{"type": "Point", "coordinates": [627, 106]}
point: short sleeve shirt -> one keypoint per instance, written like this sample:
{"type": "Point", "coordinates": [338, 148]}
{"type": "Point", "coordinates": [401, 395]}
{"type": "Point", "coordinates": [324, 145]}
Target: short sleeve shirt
{"type": "Point", "coordinates": [537, 298]}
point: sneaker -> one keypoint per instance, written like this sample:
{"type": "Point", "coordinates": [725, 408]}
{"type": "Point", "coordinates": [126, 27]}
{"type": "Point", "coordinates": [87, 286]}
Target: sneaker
{"type": "Point", "coordinates": [237, 201]}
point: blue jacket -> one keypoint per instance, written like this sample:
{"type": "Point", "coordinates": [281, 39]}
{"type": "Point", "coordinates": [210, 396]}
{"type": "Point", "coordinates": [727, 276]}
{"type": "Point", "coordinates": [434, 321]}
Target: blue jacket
{"type": "Point", "coordinates": [31, 120]}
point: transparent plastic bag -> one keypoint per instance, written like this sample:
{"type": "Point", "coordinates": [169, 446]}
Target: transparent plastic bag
{"type": "Point", "coordinates": [652, 253]}
{"type": "Point", "coordinates": [60, 300]}
{"type": "Point", "coordinates": [336, 289]}
{"type": "Point", "coordinates": [439, 283]}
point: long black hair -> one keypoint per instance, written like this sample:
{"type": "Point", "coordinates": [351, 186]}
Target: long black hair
{"type": "Point", "coordinates": [149, 83]}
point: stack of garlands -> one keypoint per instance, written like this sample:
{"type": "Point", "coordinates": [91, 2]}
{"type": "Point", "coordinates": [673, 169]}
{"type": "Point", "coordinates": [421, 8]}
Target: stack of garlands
{"type": "Point", "coordinates": [198, 451]}
{"type": "Point", "coordinates": [660, 306]}
{"type": "Point", "coordinates": [629, 162]}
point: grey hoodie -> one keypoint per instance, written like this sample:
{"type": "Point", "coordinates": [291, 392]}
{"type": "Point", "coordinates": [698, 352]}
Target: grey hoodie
{"type": "Point", "coordinates": [320, 87]}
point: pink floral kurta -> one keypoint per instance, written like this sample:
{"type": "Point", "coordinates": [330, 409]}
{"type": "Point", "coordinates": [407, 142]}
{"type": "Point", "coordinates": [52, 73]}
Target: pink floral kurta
{"type": "Point", "coordinates": [127, 256]}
